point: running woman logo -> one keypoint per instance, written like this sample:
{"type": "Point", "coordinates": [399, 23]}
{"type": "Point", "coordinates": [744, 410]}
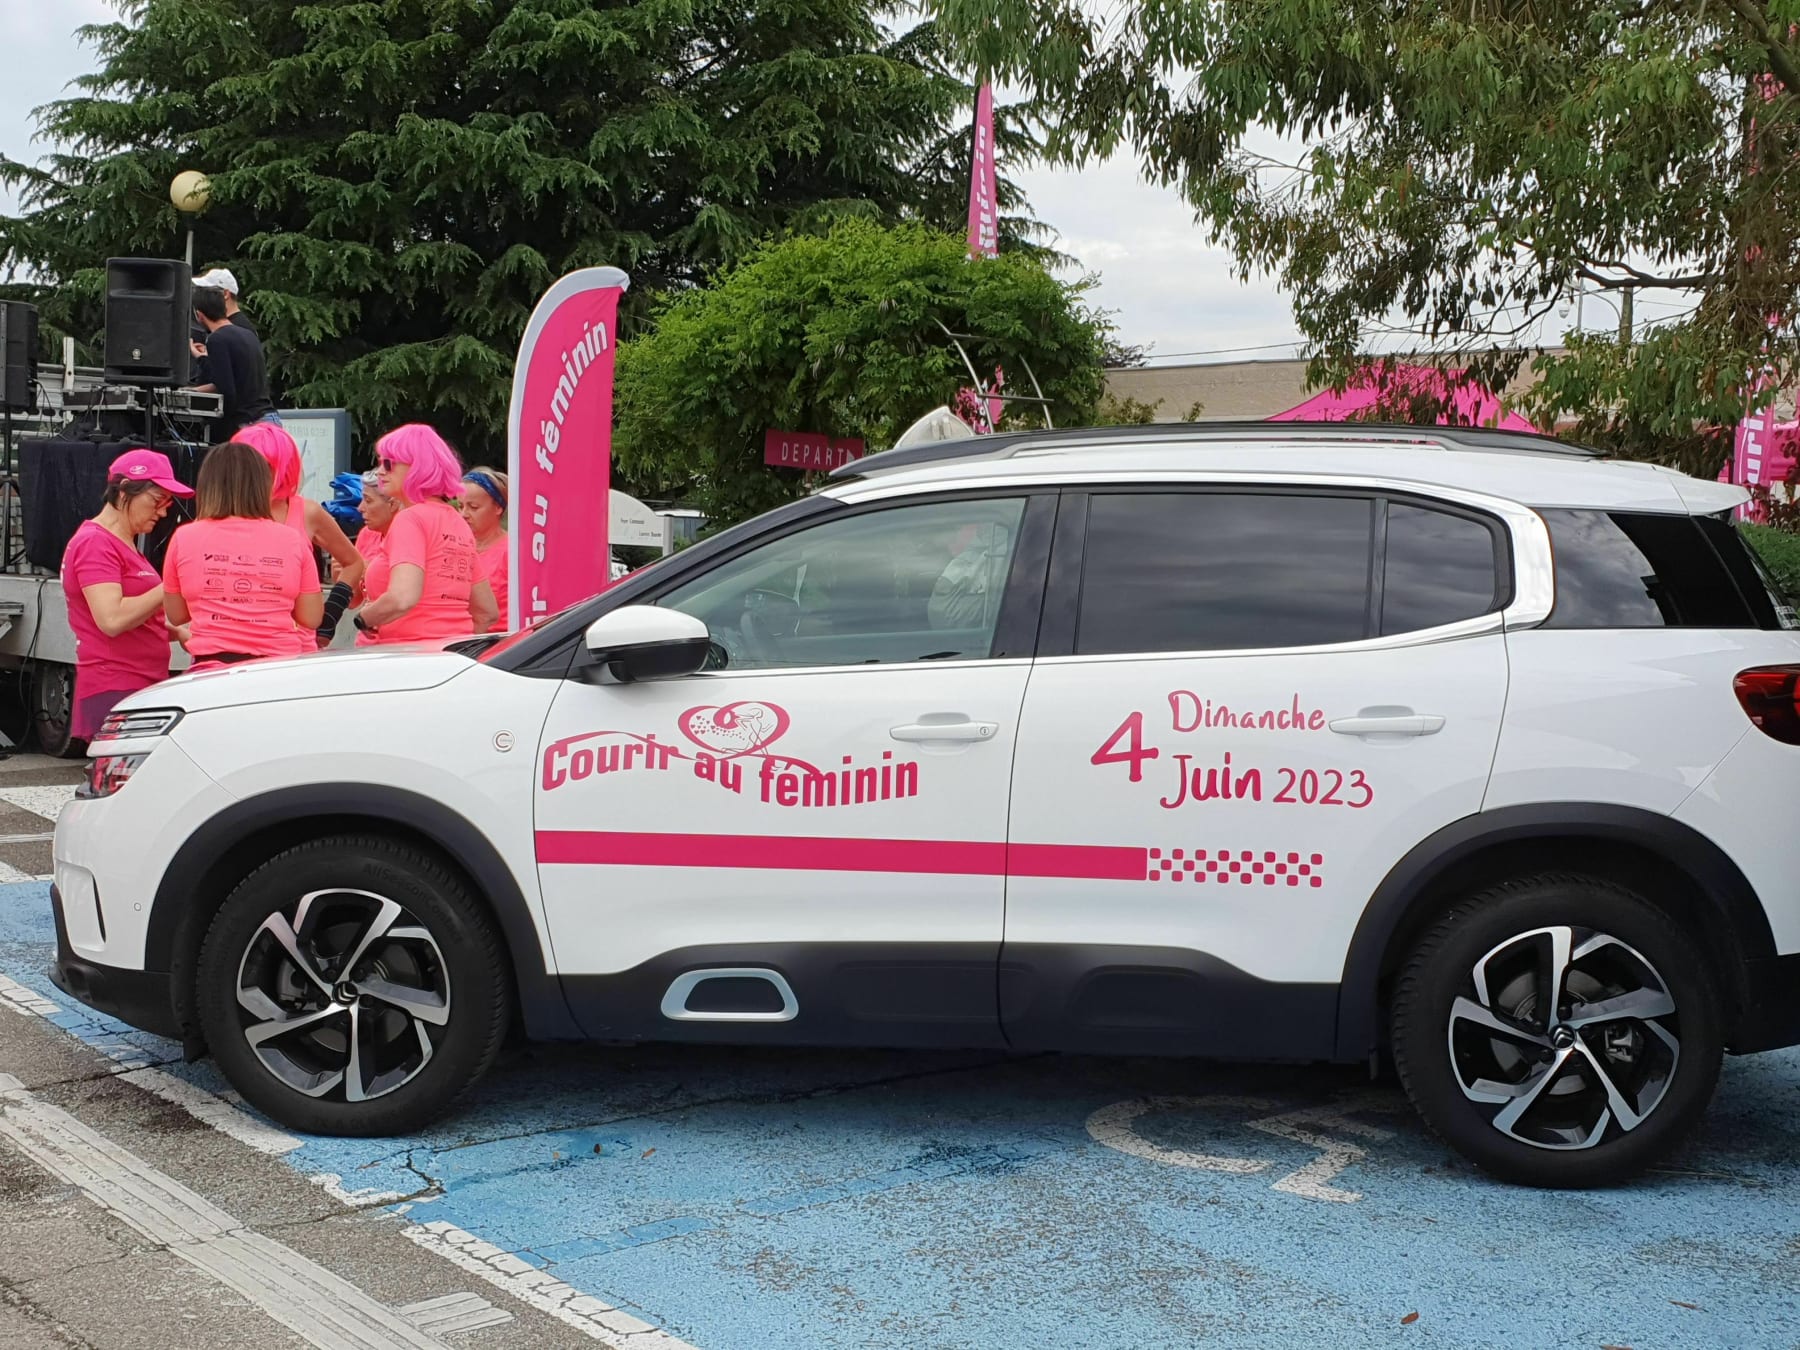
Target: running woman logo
{"type": "Point", "coordinates": [745, 728]}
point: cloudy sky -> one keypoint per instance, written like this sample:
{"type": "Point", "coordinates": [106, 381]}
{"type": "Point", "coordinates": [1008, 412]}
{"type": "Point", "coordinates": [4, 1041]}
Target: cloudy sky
{"type": "Point", "coordinates": [1167, 287]}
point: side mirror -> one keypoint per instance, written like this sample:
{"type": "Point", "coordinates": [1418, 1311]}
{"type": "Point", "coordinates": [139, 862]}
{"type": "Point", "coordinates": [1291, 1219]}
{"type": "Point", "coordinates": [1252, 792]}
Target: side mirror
{"type": "Point", "coordinates": [643, 642]}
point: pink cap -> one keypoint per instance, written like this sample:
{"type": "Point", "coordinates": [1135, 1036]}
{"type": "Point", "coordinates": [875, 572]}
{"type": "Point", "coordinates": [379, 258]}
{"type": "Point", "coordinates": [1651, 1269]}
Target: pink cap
{"type": "Point", "coordinates": [149, 466]}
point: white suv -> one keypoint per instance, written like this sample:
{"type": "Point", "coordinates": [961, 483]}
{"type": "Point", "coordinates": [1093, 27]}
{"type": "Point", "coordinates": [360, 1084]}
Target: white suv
{"type": "Point", "coordinates": [1465, 749]}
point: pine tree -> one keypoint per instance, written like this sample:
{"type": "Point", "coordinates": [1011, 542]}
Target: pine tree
{"type": "Point", "coordinates": [395, 182]}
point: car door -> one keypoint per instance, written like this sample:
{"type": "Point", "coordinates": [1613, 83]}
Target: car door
{"type": "Point", "coordinates": [806, 842]}
{"type": "Point", "coordinates": [1249, 704]}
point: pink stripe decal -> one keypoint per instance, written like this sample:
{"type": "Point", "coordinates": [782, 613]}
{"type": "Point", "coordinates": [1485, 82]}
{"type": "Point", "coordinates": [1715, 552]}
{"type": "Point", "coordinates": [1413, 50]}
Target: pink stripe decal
{"type": "Point", "coordinates": [948, 857]}
{"type": "Point", "coordinates": [1087, 862]}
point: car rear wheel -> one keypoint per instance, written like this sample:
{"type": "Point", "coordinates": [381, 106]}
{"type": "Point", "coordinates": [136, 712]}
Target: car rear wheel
{"type": "Point", "coordinates": [1558, 1031]}
{"type": "Point", "coordinates": [353, 986]}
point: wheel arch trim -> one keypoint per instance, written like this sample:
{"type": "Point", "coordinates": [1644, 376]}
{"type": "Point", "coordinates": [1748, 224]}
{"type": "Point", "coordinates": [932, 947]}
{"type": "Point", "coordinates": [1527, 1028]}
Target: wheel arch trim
{"type": "Point", "coordinates": [1715, 877]}
{"type": "Point", "coordinates": [171, 939]}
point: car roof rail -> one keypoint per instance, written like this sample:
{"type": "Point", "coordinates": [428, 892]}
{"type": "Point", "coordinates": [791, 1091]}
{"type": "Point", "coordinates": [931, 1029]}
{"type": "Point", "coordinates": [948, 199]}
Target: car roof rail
{"type": "Point", "coordinates": [1008, 444]}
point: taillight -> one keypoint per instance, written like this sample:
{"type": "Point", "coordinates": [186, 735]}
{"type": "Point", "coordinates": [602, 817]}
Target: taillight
{"type": "Point", "coordinates": [1771, 697]}
{"type": "Point", "coordinates": [107, 774]}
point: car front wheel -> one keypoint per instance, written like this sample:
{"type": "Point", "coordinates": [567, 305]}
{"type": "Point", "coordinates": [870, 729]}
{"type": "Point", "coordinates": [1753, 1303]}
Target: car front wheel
{"type": "Point", "coordinates": [353, 986]}
{"type": "Point", "coordinates": [1558, 1031]}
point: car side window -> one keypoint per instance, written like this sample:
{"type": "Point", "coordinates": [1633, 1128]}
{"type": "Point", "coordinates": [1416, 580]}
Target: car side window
{"type": "Point", "coordinates": [1440, 567]}
{"type": "Point", "coordinates": [1222, 571]}
{"type": "Point", "coordinates": [1625, 569]}
{"type": "Point", "coordinates": [906, 583]}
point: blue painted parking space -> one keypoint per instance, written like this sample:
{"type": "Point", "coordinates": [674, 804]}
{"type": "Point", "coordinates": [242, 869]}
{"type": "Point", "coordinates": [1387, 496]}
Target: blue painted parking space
{"type": "Point", "coordinates": [743, 1200]}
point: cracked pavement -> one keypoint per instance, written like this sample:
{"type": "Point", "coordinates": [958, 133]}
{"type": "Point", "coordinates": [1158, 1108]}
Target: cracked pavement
{"type": "Point", "coordinates": [73, 1273]}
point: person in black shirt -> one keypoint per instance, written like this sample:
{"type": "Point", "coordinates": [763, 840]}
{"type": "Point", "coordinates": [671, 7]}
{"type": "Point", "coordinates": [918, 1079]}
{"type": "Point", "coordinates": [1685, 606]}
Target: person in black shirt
{"type": "Point", "coordinates": [234, 363]}
{"type": "Point", "coordinates": [221, 279]}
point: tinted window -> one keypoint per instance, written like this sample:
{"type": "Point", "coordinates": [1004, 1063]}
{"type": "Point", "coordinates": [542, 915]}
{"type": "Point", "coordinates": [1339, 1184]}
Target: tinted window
{"type": "Point", "coordinates": [1626, 570]}
{"type": "Point", "coordinates": [1769, 605]}
{"type": "Point", "coordinates": [910, 583]}
{"type": "Point", "coordinates": [1440, 568]}
{"type": "Point", "coordinates": [1217, 571]}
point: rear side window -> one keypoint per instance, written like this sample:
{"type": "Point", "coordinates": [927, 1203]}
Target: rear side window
{"type": "Point", "coordinates": [1442, 567]}
{"type": "Point", "coordinates": [1223, 571]}
{"type": "Point", "coordinates": [1770, 606]}
{"type": "Point", "coordinates": [1623, 569]}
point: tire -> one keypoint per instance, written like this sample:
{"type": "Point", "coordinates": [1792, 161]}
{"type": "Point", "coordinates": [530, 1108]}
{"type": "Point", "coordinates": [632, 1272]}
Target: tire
{"type": "Point", "coordinates": [53, 709]}
{"type": "Point", "coordinates": [429, 996]}
{"type": "Point", "coordinates": [1526, 1097]}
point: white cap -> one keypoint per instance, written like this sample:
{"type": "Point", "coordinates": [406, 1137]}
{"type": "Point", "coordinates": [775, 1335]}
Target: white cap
{"type": "Point", "coordinates": [219, 280]}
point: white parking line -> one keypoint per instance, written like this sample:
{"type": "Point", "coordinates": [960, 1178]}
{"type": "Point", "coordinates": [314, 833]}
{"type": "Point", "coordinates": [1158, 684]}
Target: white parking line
{"type": "Point", "coordinates": [47, 802]}
{"type": "Point", "coordinates": [540, 1290]}
{"type": "Point", "coordinates": [312, 1302]}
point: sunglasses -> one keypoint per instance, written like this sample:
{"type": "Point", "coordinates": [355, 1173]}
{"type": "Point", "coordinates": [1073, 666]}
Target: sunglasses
{"type": "Point", "coordinates": [388, 465]}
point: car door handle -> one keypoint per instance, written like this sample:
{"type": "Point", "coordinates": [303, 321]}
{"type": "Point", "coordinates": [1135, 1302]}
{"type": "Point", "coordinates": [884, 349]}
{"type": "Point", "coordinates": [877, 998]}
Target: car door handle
{"type": "Point", "coordinates": [1388, 724]}
{"type": "Point", "coordinates": [946, 731]}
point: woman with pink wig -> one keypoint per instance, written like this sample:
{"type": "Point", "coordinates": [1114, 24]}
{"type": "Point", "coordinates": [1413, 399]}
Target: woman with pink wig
{"type": "Point", "coordinates": [436, 588]}
{"type": "Point", "coordinates": [307, 518]}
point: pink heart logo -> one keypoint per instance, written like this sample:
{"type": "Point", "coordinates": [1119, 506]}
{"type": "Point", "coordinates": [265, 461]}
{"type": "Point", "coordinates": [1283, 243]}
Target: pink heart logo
{"type": "Point", "coordinates": [736, 728]}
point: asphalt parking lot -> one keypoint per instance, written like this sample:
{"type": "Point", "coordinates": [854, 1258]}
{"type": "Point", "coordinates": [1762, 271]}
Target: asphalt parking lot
{"type": "Point", "coordinates": [727, 1200]}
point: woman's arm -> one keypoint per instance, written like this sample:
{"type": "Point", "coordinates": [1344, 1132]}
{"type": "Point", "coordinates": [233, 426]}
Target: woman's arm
{"type": "Point", "coordinates": [330, 536]}
{"type": "Point", "coordinates": [113, 613]}
{"type": "Point", "coordinates": [177, 610]}
{"type": "Point", "coordinates": [309, 610]}
{"type": "Point", "coordinates": [406, 584]}
{"type": "Point", "coordinates": [483, 611]}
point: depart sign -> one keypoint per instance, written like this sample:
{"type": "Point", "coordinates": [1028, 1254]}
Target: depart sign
{"type": "Point", "coordinates": [810, 450]}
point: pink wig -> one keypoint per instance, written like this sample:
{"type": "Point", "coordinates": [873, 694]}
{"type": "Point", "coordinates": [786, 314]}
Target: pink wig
{"type": "Point", "coordinates": [276, 446]}
{"type": "Point", "coordinates": [433, 470]}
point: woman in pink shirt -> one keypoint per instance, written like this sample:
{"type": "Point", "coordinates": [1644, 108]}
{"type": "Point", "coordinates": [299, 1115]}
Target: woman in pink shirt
{"type": "Point", "coordinates": [303, 515]}
{"type": "Point", "coordinates": [435, 587]}
{"type": "Point", "coordinates": [243, 583]}
{"type": "Point", "coordinates": [115, 598]}
{"type": "Point", "coordinates": [484, 507]}
{"type": "Point", "coordinates": [377, 511]}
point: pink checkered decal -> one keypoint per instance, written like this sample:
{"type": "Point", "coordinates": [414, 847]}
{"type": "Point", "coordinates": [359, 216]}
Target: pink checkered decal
{"type": "Point", "coordinates": [1244, 866]}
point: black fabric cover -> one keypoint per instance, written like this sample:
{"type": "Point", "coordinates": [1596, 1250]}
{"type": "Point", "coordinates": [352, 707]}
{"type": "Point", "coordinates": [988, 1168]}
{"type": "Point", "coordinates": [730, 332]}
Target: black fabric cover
{"type": "Point", "coordinates": [62, 482]}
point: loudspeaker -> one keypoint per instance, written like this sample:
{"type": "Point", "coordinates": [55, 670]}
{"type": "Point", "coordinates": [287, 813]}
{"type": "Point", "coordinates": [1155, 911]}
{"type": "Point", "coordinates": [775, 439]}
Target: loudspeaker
{"type": "Point", "coordinates": [149, 306]}
{"type": "Point", "coordinates": [18, 356]}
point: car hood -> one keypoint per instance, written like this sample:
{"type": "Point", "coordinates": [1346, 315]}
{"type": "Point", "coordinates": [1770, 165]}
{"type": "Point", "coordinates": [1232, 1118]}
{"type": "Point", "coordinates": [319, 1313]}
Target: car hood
{"type": "Point", "coordinates": [379, 670]}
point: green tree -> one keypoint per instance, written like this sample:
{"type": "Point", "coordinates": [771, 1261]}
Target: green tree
{"type": "Point", "coordinates": [841, 334]}
{"type": "Point", "coordinates": [1465, 167]}
{"type": "Point", "coordinates": [395, 182]}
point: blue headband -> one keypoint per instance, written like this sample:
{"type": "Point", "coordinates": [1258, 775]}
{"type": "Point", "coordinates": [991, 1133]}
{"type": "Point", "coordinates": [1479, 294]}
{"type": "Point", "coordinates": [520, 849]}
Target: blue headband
{"type": "Point", "coordinates": [487, 484]}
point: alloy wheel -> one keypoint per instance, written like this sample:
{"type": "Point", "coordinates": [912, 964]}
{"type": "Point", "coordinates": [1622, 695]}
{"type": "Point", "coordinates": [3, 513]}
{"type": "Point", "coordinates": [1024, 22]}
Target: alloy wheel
{"type": "Point", "coordinates": [345, 995]}
{"type": "Point", "coordinates": [1569, 1035]}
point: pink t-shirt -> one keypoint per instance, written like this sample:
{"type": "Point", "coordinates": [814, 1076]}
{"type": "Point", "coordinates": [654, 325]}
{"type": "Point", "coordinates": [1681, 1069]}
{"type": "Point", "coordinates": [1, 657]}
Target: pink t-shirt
{"type": "Point", "coordinates": [133, 660]}
{"type": "Point", "coordinates": [496, 566]}
{"type": "Point", "coordinates": [372, 545]}
{"type": "Point", "coordinates": [434, 537]}
{"type": "Point", "coordinates": [295, 520]}
{"type": "Point", "coordinates": [240, 579]}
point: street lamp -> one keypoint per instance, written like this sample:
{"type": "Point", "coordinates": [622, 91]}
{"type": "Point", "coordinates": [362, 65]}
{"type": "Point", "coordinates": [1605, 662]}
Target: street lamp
{"type": "Point", "coordinates": [1622, 309]}
{"type": "Point", "coordinates": [190, 191]}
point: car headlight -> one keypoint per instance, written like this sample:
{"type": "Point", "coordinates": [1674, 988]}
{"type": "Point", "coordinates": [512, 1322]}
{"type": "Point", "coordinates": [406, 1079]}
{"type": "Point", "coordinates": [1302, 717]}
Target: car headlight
{"type": "Point", "coordinates": [129, 726]}
{"type": "Point", "coordinates": [106, 774]}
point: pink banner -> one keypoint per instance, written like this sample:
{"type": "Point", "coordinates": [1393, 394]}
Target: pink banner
{"type": "Point", "coordinates": [984, 186]}
{"type": "Point", "coordinates": [559, 445]}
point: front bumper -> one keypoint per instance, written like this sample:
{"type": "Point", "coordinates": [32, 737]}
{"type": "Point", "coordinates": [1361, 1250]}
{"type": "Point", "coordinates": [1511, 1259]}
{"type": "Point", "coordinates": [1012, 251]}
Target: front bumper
{"type": "Point", "coordinates": [140, 998]}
